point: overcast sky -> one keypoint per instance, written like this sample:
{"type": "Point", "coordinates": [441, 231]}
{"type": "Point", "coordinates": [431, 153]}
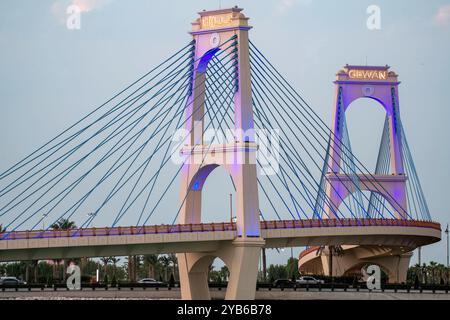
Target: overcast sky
{"type": "Point", "coordinates": [51, 76]}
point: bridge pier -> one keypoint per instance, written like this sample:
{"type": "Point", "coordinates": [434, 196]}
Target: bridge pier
{"type": "Point", "coordinates": [244, 268]}
{"type": "Point", "coordinates": [392, 260]}
{"type": "Point", "coordinates": [241, 257]}
{"type": "Point", "coordinates": [193, 270]}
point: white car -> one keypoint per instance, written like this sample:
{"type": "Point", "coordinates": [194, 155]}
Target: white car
{"type": "Point", "coordinates": [11, 281]}
{"type": "Point", "coordinates": [309, 280]}
{"type": "Point", "coordinates": [151, 282]}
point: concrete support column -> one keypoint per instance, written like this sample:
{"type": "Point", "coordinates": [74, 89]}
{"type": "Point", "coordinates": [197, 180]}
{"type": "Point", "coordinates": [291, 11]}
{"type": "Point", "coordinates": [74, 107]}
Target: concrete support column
{"type": "Point", "coordinates": [243, 269]}
{"type": "Point", "coordinates": [247, 206]}
{"type": "Point", "coordinates": [193, 276]}
{"type": "Point", "coordinates": [241, 257]}
{"type": "Point", "coordinates": [195, 109]}
{"type": "Point", "coordinates": [398, 267]}
{"type": "Point", "coordinates": [243, 105]}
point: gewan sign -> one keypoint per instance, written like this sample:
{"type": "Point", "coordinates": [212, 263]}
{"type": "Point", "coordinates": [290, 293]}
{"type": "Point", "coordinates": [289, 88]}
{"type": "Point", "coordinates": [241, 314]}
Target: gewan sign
{"type": "Point", "coordinates": [361, 74]}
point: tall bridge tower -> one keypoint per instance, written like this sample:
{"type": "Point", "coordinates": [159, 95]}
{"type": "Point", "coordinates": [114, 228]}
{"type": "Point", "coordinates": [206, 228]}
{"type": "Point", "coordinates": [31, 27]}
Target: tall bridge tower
{"type": "Point", "coordinates": [386, 185]}
{"type": "Point", "coordinates": [380, 84]}
{"type": "Point", "coordinates": [209, 31]}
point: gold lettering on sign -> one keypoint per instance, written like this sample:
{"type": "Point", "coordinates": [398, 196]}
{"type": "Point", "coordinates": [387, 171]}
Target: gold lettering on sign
{"type": "Point", "coordinates": [219, 21]}
{"type": "Point", "coordinates": [368, 74]}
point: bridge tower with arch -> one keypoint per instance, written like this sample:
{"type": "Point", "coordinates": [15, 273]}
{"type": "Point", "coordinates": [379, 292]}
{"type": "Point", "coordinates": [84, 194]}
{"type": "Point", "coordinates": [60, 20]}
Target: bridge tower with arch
{"type": "Point", "coordinates": [238, 159]}
{"type": "Point", "coordinates": [380, 84]}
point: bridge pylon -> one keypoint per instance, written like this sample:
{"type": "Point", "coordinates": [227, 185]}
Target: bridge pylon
{"type": "Point", "coordinates": [210, 31]}
{"type": "Point", "coordinates": [379, 84]}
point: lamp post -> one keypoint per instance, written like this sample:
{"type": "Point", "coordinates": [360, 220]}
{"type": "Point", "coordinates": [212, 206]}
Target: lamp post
{"type": "Point", "coordinates": [91, 216]}
{"type": "Point", "coordinates": [43, 220]}
{"type": "Point", "coordinates": [231, 208]}
{"type": "Point", "coordinates": [330, 262]}
{"type": "Point", "coordinates": [446, 233]}
{"type": "Point", "coordinates": [264, 264]}
{"type": "Point", "coordinates": [419, 251]}
{"type": "Point", "coordinates": [264, 258]}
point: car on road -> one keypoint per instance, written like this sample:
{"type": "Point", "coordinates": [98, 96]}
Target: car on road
{"type": "Point", "coordinates": [309, 280]}
{"type": "Point", "coordinates": [151, 282]}
{"type": "Point", "coordinates": [284, 283]}
{"type": "Point", "coordinates": [10, 281]}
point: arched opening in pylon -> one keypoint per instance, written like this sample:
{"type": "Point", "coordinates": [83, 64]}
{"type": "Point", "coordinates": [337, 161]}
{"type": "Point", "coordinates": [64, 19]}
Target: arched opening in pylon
{"type": "Point", "coordinates": [366, 149]}
{"type": "Point", "coordinates": [218, 197]}
{"type": "Point", "coordinates": [365, 119]}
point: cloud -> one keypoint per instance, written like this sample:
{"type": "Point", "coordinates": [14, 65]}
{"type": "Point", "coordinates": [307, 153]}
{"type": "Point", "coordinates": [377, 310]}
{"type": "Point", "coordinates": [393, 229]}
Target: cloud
{"type": "Point", "coordinates": [442, 16]}
{"type": "Point", "coordinates": [285, 5]}
{"type": "Point", "coordinates": [90, 5]}
{"type": "Point", "coordinates": [59, 8]}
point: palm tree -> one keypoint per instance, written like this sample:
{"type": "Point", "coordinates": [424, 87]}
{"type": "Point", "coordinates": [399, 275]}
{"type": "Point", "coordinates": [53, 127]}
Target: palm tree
{"type": "Point", "coordinates": [447, 275]}
{"type": "Point", "coordinates": [174, 261]}
{"type": "Point", "coordinates": [130, 268]}
{"type": "Point", "coordinates": [114, 261]}
{"type": "Point", "coordinates": [211, 273]}
{"type": "Point", "coordinates": [414, 274]}
{"type": "Point", "coordinates": [35, 264]}
{"type": "Point", "coordinates": [433, 267]}
{"type": "Point", "coordinates": [424, 272]}
{"type": "Point", "coordinates": [105, 261]}
{"type": "Point", "coordinates": [165, 262]}
{"type": "Point", "coordinates": [133, 263]}
{"type": "Point", "coordinates": [62, 224]}
{"type": "Point", "coordinates": [441, 272]}
{"type": "Point", "coordinates": [224, 273]}
{"type": "Point", "coordinates": [151, 260]}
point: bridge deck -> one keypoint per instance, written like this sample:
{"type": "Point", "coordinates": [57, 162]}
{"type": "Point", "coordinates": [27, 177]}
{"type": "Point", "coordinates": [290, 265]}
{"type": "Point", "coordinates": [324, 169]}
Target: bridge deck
{"type": "Point", "coordinates": [212, 227]}
{"type": "Point", "coordinates": [209, 237]}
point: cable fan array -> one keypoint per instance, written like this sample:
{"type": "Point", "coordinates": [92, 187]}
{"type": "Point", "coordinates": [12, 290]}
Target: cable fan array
{"type": "Point", "coordinates": [305, 152]}
{"type": "Point", "coordinates": [114, 166]}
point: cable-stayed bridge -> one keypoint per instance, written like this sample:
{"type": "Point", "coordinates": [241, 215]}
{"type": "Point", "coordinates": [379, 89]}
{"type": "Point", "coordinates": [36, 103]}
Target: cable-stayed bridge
{"type": "Point", "coordinates": [218, 102]}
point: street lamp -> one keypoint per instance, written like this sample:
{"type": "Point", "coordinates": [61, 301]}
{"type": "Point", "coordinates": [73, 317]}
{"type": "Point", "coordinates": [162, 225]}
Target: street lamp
{"type": "Point", "coordinates": [43, 220]}
{"type": "Point", "coordinates": [231, 208]}
{"type": "Point", "coordinates": [263, 253]}
{"type": "Point", "coordinates": [446, 233]}
{"type": "Point", "coordinates": [419, 252]}
{"type": "Point", "coordinates": [91, 216]}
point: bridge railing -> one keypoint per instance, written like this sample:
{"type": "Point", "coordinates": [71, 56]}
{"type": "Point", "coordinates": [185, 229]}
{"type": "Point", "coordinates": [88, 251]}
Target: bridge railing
{"type": "Point", "coordinates": [325, 223]}
{"type": "Point", "coordinates": [212, 227]}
